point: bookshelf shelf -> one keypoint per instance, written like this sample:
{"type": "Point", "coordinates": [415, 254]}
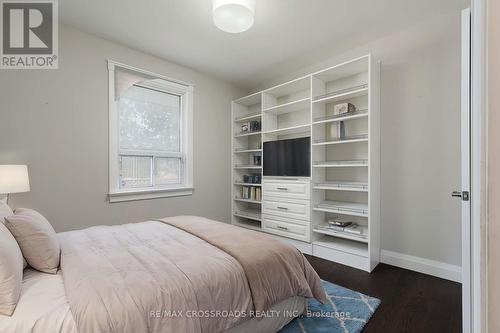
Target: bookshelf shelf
{"type": "Point", "coordinates": [243, 151]}
{"type": "Point", "coordinates": [290, 130]}
{"type": "Point", "coordinates": [289, 107]}
{"type": "Point", "coordinates": [323, 229]}
{"type": "Point", "coordinates": [343, 245]}
{"type": "Point", "coordinates": [248, 117]}
{"type": "Point", "coordinates": [247, 200]}
{"type": "Point", "coordinates": [241, 135]}
{"type": "Point", "coordinates": [288, 91]}
{"type": "Point", "coordinates": [249, 167]}
{"type": "Point", "coordinates": [251, 214]}
{"type": "Point", "coordinates": [335, 142]}
{"type": "Point", "coordinates": [354, 92]}
{"type": "Point", "coordinates": [344, 208]}
{"type": "Point", "coordinates": [247, 184]}
{"type": "Point", "coordinates": [342, 186]}
{"type": "Point", "coordinates": [249, 101]}
{"type": "Point", "coordinates": [341, 164]}
{"type": "Point", "coordinates": [347, 116]}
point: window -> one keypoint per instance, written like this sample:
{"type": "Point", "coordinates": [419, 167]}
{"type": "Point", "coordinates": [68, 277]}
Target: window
{"type": "Point", "coordinates": [150, 135]}
{"type": "Point", "coordinates": [150, 144]}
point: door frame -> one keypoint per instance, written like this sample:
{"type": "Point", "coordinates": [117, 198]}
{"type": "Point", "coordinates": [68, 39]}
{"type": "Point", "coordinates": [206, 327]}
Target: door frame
{"type": "Point", "coordinates": [465, 115]}
{"type": "Point", "coordinates": [478, 259]}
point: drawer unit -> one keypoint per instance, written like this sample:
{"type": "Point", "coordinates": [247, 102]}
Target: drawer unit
{"type": "Point", "coordinates": [291, 228]}
{"type": "Point", "coordinates": [289, 208]}
{"type": "Point", "coordinates": [287, 188]}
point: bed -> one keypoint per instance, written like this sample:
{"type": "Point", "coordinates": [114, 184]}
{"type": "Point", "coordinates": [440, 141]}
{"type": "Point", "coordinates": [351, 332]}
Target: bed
{"type": "Point", "coordinates": [180, 274]}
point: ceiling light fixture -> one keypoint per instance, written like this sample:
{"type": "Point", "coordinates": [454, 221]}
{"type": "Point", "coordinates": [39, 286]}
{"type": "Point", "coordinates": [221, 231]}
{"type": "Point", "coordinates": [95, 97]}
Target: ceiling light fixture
{"type": "Point", "coordinates": [233, 16]}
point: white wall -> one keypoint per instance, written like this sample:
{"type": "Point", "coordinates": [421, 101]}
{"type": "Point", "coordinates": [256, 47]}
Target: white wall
{"type": "Point", "coordinates": [56, 121]}
{"type": "Point", "coordinates": [420, 135]}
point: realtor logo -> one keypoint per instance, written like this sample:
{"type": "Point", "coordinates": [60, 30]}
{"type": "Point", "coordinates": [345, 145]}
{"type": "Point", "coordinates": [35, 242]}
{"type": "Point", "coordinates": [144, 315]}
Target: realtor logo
{"type": "Point", "coordinates": [29, 34]}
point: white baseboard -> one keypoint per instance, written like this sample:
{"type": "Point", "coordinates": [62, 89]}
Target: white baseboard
{"type": "Point", "coordinates": [422, 265]}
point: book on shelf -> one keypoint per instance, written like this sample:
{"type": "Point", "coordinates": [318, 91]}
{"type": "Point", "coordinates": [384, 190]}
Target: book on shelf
{"type": "Point", "coordinates": [250, 126]}
{"type": "Point", "coordinates": [244, 192]}
{"type": "Point", "coordinates": [259, 193]}
{"type": "Point", "coordinates": [339, 222]}
{"type": "Point", "coordinates": [352, 229]}
{"type": "Point", "coordinates": [251, 193]}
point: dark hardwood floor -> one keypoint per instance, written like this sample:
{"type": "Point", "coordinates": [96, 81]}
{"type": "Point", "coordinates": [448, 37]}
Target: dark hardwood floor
{"type": "Point", "coordinates": [411, 302]}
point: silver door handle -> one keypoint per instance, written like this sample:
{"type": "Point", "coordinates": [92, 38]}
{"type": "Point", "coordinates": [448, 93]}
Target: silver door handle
{"type": "Point", "coordinates": [282, 228]}
{"type": "Point", "coordinates": [283, 208]}
{"type": "Point", "coordinates": [464, 195]}
{"type": "Point", "coordinates": [282, 188]}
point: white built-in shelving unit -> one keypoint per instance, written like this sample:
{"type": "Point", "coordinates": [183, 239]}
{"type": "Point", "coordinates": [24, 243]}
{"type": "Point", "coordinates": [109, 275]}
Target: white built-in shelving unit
{"type": "Point", "coordinates": [245, 145]}
{"type": "Point", "coordinates": [345, 170]}
{"type": "Point", "coordinates": [345, 166]}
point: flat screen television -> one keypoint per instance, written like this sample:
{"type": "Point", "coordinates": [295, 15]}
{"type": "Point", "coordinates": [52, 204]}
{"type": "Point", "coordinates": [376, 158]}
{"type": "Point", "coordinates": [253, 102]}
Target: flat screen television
{"type": "Point", "coordinates": [291, 157]}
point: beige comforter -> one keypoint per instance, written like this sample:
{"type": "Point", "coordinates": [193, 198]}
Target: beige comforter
{"type": "Point", "coordinates": [155, 277]}
{"type": "Point", "coordinates": [275, 271]}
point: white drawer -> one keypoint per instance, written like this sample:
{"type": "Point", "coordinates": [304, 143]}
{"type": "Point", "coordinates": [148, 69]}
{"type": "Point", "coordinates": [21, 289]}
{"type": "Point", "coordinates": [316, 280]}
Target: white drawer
{"type": "Point", "coordinates": [286, 219]}
{"type": "Point", "coordinates": [290, 229]}
{"type": "Point", "coordinates": [287, 189]}
{"type": "Point", "coordinates": [297, 209]}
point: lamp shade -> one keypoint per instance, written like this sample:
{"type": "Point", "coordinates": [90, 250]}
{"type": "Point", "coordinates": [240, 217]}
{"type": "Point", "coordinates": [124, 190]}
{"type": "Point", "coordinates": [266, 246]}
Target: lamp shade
{"type": "Point", "coordinates": [14, 179]}
{"type": "Point", "coordinates": [233, 16]}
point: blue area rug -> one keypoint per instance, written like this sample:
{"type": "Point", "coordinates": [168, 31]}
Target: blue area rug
{"type": "Point", "coordinates": [346, 311]}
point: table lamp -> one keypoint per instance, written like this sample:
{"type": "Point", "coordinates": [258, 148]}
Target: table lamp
{"type": "Point", "coordinates": [13, 179]}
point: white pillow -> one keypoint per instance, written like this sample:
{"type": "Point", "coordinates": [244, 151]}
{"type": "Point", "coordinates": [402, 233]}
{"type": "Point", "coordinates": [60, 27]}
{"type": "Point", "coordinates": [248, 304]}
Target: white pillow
{"type": "Point", "coordinates": [36, 238]}
{"type": "Point", "coordinates": [11, 272]}
{"type": "Point", "coordinates": [5, 211]}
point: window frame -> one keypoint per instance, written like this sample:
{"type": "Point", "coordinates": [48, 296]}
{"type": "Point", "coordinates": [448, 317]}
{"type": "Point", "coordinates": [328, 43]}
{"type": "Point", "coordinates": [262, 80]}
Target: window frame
{"type": "Point", "coordinates": [172, 86]}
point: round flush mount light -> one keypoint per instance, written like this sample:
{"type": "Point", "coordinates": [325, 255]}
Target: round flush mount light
{"type": "Point", "coordinates": [233, 16]}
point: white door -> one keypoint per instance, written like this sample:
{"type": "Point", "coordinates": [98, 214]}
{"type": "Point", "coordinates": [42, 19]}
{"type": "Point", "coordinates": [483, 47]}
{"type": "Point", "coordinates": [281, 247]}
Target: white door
{"type": "Point", "coordinates": [464, 192]}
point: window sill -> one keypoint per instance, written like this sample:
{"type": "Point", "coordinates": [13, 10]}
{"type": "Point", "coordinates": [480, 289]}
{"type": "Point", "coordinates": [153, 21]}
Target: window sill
{"type": "Point", "coordinates": [149, 194]}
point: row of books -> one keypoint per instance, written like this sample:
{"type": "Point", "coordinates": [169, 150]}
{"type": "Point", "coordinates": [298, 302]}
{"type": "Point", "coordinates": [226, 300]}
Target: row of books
{"type": "Point", "coordinates": [251, 193]}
